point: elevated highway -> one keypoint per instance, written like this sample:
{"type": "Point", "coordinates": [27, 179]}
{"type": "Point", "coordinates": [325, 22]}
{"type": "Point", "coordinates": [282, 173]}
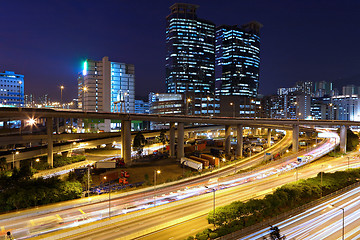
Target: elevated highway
{"type": "Point", "coordinates": [176, 125]}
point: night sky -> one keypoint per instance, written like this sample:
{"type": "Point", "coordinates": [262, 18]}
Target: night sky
{"type": "Point", "coordinates": [300, 41]}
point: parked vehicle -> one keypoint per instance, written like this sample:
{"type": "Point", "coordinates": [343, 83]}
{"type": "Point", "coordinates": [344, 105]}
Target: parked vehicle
{"type": "Point", "coordinates": [107, 164]}
{"type": "Point", "coordinates": [191, 163]}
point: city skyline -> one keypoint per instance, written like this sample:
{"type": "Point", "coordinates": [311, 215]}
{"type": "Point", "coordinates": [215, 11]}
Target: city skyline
{"type": "Point", "coordinates": [48, 42]}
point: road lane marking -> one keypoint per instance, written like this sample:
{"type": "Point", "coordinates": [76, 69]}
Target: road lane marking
{"type": "Point", "coordinates": [58, 216]}
{"type": "Point", "coordinates": [82, 211]}
{"type": "Point", "coordinates": [32, 223]}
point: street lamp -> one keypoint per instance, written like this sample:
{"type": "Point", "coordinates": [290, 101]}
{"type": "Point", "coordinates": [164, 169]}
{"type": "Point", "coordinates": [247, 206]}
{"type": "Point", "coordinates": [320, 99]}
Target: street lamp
{"type": "Point", "coordinates": [207, 105]}
{"type": "Point", "coordinates": [213, 189]}
{"type": "Point", "coordinates": [109, 195]}
{"type": "Point", "coordinates": [155, 173]}
{"type": "Point", "coordinates": [14, 153]}
{"type": "Point", "coordinates": [188, 100]}
{"type": "Point", "coordinates": [61, 90]}
{"type": "Point", "coordinates": [343, 219]}
{"type": "Point", "coordinates": [233, 105]}
{"type": "Point", "coordinates": [85, 89]}
{"type": "Point", "coordinates": [36, 160]}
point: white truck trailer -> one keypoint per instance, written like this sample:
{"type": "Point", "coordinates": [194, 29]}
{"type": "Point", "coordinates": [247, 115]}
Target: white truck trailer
{"type": "Point", "coordinates": [191, 163]}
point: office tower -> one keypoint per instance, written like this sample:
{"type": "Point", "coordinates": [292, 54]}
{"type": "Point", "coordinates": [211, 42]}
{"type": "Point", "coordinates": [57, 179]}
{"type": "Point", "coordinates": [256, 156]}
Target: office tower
{"type": "Point", "coordinates": [323, 88]}
{"type": "Point", "coordinates": [350, 90]}
{"type": "Point", "coordinates": [190, 57]}
{"type": "Point", "coordinates": [141, 106]}
{"type": "Point", "coordinates": [106, 86]}
{"type": "Point", "coordinates": [346, 107]}
{"type": "Point", "coordinates": [11, 89]}
{"type": "Point", "coordinates": [238, 60]}
{"type": "Point", "coordinates": [305, 87]}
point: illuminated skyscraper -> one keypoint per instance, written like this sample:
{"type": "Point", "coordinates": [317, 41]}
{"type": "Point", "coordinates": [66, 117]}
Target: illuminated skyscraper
{"type": "Point", "coordinates": [11, 89]}
{"type": "Point", "coordinates": [190, 57]}
{"type": "Point", "coordinates": [106, 86]}
{"type": "Point", "coordinates": [238, 60]}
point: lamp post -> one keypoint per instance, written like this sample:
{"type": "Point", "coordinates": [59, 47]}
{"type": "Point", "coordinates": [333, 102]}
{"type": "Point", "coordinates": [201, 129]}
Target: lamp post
{"type": "Point", "coordinates": [88, 181]}
{"type": "Point", "coordinates": [109, 195]}
{"type": "Point", "coordinates": [36, 160]}
{"type": "Point", "coordinates": [213, 189]}
{"type": "Point", "coordinates": [14, 153]}
{"type": "Point", "coordinates": [343, 220]}
{"type": "Point", "coordinates": [85, 89]}
{"type": "Point", "coordinates": [207, 105]}
{"type": "Point", "coordinates": [61, 90]}
{"type": "Point", "coordinates": [321, 180]}
{"type": "Point", "coordinates": [155, 173]}
{"type": "Point", "coordinates": [188, 100]}
{"type": "Point", "coordinates": [233, 106]}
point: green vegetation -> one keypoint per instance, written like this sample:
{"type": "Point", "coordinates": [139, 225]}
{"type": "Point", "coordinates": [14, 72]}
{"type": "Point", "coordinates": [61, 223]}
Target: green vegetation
{"type": "Point", "coordinates": [352, 140]}
{"type": "Point", "coordinates": [59, 161]}
{"type": "Point", "coordinates": [21, 191]}
{"type": "Point", "coordinates": [238, 215]}
{"type": "Point", "coordinates": [139, 142]}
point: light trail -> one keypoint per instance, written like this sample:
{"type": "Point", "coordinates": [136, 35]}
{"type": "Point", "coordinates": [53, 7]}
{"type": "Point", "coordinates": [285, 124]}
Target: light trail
{"type": "Point", "coordinates": [100, 210]}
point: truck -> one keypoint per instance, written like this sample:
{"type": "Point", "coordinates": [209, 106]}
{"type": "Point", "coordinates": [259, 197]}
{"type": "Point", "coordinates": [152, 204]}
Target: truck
{"type": "Point", "coordinates": [212, 160]}
{"type": "Point", "coordinates": [191, 163]}
{"type": "Point", "coordinates": [107, 164]}
{"type": "Point", "coordinates": [203, 161]}
{"type": "Point", "coordinates": [302, 159]}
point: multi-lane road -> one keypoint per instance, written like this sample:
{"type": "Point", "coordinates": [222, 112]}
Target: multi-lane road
{"type": "Point", "coordinates": [187, 204]}
{"type": "Point", "coordinates": [324, 221]}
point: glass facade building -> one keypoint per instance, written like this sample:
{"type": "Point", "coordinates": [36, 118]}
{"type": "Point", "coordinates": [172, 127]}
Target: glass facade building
{"type": "Point", "coordinates": [107, 86]}
{"type": "Point", "coordinates": [238, 60]}
{"type": "Point", "coordinates": [11, 89]}
{"type": "Point", "coordinates": [190, 58]}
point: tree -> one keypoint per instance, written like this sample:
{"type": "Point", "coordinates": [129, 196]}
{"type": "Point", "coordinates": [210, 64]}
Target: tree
{"type": "Point", "coordinates": [162, 137]}
{"type": "Point", "coordinates": [139, 143]}
{"type": "Point", "coordinates": [2, 164]}
{"type": "Point", "coordinates": [352, 140]}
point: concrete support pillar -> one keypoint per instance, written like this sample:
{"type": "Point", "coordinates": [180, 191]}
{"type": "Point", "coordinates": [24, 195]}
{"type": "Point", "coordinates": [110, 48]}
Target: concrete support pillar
{"type": "Point", "coordinates": [17, 164]}
{"type": "Point", "coordinates": [71, 124]}
{"type": "Point", "coordinates": [295, 138]}
{"type": "Point", "coordinates": [180, 140]}
{"type": "Point", "coordinates": [49, 132]}
{"type": "Point", "coordinates": [57, 120]}
{"type": "Point", "coordinates": [22, 125]}
{"type": "Point", "coordinates": [126, 144]}
{"type": "Point", "coordinates": [239, 138]}
{"type": "Point", "coordinates": [172, 139]}
{"type": "Point", "coordinates": [343, 136]}
{"type": "Point", "coordinates": [227, 139]}
{"type": "Point", "coordinates": [122, 139]}
{"type": "Point", "coordinates": [269, 137]}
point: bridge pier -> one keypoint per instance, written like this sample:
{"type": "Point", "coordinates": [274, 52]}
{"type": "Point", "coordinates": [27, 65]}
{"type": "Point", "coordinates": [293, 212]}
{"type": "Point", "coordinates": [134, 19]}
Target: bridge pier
{"type": "Point", "coordinates": [57, 120]}
{"type": "Point", "coordinates": [295, 138]}
{"type": "Point", "coordinates": [343, 136]}
{"type": "Point", "coordinates": [126, 143]}
{"type": "Point", "coordinates": [227, 139]}
{"type": "Point", "coordinates": [180, 140]}
{"type": "Point", "coordinates": [269, 137]}
{"type": "Point", "coordinates": [16, 164]}
{"type": "Point", "coordinates": [239, 138]}
{"type": "Point", "coordinates": [50, 146]}
{"type": "Point", "coordinates": [172, 139]}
